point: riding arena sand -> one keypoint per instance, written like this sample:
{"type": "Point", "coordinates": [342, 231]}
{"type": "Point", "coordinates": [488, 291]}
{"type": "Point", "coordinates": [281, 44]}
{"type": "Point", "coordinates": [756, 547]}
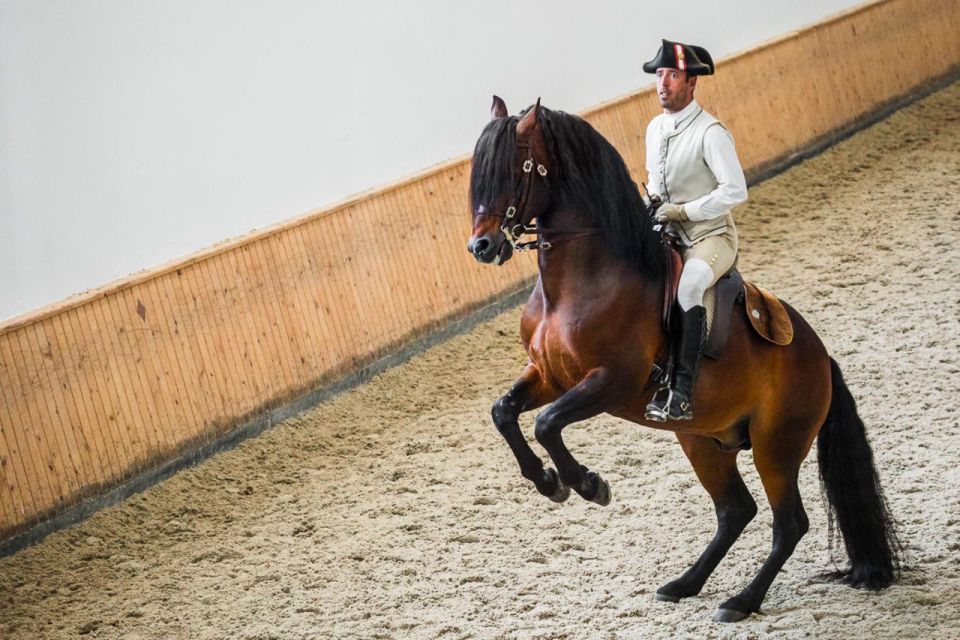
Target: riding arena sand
{"type": "Point", "coordinates": [395, 510]}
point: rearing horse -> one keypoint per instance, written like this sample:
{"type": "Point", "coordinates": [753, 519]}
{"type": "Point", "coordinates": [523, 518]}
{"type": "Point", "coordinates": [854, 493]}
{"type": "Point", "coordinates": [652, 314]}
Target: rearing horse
{"type": "Point", "coordinates": [592, 330]}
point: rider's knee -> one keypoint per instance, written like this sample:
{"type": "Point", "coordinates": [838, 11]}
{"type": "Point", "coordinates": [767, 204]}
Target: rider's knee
{"type": "Point", "coordinates": [694, 282]}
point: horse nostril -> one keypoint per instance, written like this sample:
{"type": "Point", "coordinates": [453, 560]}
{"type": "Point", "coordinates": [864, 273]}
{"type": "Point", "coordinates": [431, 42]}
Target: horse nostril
{"type": "Point", "coordinates": [481, 246]}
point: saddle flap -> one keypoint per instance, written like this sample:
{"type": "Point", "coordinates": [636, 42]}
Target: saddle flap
{"type": "Point", "coordinates": [767, 315]}
{"type": "Point", "coordinates": [726, 292]}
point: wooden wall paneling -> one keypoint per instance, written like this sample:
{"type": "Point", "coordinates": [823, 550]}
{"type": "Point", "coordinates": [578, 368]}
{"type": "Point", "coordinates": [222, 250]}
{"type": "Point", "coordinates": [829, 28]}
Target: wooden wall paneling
{"type": "Point", "coordinates": [22, 396]}
{"type": "Point", "coordinates": [87, 363]}
{"type": "Point", "coordinates": [69, 367]}
{"type": "Point", "coordinates": [347, 306]}
{"type": "Point", "coordinates": [168, 335]}
{"type": "Point", "coordinates": [286, 336]}
{"type": "Point", "coordinates": [172, 353]}
{"type": "Point", "coordinates": [11, 508]}
{"type": "Point", "coordinates": [60, 395]}
{"type": "Point", "coordinates": [293, 326]}
{"type": "Point", "coordinates": [468, 279]}
{"type": "Point", "coordinates": [371, 250]}
{"type": "Point", "coordinates": [296, 313]}
{"type": "Point", "coordinates": [147, 343]}
{"type": "Point", "coordinates": [16, 470]}
{"type": "Point", "coordinates": [338, 306]}
{"type": "Point", "coordinates": [404, 230]}
{"type": "Point", "coordinates": [48, 450]}
{"type": "Point", "coordinates": [126, 416]}
{"type": "Point", "coordinates": [431, 250]}
{"type": "Point", "coordinates": [101, 333]}
{"type": "Point", "coordinates": [310, 291]}
{"type": "Point", "coordinates": [317, 241]}
{"type": "Point", "coordinates": [218, 377]}
{"type": "Point", "coordinates": [194, 323]}
{"type": "Point", "coordinates": [323, 347]}
{"type": "Point", "coordinates": [137, 367]}
{"type": "Point", "coordinates": [254, 322]}
{"type": "Point", "coordinates": [399, 246]}
{"type": "Point", "coordinates": [450, 283]}
{"type": "Point", "coordinates": [234, 343]}
{"type": "Point", "coordinates": [59, 437]}
{"type": "Point", "coordinates": [435, 291]}
{"type": "Point", "coordinates": [259, 297]}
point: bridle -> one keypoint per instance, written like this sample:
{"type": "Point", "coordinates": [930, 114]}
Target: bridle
{"type": "Point", "coordinates": [517, 218]}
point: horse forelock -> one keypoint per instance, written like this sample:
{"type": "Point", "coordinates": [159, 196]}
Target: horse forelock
{"type": "Point", "coordinates": [494, 157]}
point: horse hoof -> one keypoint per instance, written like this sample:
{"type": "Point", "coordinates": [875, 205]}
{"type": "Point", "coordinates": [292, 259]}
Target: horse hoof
{"type": "Point", "coordinates": [603, 492]}
{"type": "Point", "coordinates": [665, 597]}
{"type": "Point", "coordinates": [730, 615]}
{"type": "Point", "coordinates": [562, 492]}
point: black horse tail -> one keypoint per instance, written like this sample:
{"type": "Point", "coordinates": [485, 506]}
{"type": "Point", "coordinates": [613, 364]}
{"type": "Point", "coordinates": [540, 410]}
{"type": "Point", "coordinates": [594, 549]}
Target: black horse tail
{"type": "Point", "coordinates": [855, 500]}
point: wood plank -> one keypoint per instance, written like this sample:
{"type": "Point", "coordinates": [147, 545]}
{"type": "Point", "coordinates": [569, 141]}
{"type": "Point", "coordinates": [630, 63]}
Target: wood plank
{"type": "Point", "coordinates": [75, 399]}
{"type": "Point", "coordinates": [54, 390]}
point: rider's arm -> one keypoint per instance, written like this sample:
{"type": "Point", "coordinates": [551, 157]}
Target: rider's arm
{"type": "Point", "coordinates": [721, 156]}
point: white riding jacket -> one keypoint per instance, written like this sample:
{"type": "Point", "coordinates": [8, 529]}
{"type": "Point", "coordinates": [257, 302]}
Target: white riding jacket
{"type": "Point", "coordinates": [691, 160]}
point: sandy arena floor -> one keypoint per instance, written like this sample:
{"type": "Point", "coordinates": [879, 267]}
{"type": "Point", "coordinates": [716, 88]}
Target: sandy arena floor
{"type": "Point", "coordinates": [396, 511]}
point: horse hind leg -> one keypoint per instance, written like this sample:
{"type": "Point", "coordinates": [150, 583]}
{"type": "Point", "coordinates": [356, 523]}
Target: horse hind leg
{"type": "Point", "coordinates": [527, 393]}
{"type": "Point", "coordinates": [779, 477]}
{"type": "Point", "coordinates": [735, 508]}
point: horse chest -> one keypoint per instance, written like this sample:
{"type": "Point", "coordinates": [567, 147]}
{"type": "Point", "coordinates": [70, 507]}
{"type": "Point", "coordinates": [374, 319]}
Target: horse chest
{"type": "Point", "coordinates": [553, 350]}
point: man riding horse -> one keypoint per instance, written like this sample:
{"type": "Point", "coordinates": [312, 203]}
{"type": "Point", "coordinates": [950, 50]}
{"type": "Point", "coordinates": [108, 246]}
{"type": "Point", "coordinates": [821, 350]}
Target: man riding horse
{"type": "Point", "coordinates": [695, 175]}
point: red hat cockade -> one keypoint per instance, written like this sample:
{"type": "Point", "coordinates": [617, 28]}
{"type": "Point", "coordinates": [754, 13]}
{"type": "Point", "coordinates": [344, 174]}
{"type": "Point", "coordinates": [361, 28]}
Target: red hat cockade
{"type": "Point", "coordinates": [685, 57]}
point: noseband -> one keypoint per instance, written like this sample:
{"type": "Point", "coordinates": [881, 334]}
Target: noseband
{"type": "Point", "coordinates": [517, 218]}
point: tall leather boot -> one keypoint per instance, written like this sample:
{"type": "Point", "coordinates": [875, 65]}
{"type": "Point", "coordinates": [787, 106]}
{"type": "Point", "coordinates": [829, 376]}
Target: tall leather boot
{"type": "Point", "coordinates": [693, 338]}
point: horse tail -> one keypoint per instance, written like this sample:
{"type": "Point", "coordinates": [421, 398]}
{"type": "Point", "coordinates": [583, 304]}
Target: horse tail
{"type": "Point", "coordinates": [854, 497]}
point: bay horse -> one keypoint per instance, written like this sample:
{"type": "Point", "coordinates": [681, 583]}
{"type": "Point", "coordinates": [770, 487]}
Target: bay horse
{"type": "Point", "coordinates": [592, 330]}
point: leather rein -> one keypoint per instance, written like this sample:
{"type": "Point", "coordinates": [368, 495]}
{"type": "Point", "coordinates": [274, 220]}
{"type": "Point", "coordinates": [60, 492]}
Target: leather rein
{"type": "Point", "coordinates": [517, 219]}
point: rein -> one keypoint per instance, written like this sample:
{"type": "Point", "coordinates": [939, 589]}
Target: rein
{"type": "Point", "coordinates": [514, 232]}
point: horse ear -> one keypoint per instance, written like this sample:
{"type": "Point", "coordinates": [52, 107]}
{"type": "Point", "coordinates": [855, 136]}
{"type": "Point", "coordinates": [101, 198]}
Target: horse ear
{"type": "Point", "coordinates": [498, 109]}
{"type": "Point", "coordinates": [529, 122]}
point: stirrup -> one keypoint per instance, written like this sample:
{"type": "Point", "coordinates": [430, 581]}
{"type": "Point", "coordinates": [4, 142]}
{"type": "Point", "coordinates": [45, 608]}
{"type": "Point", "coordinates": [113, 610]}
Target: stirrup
{"type": "Point", "coordinates": [659, 410]}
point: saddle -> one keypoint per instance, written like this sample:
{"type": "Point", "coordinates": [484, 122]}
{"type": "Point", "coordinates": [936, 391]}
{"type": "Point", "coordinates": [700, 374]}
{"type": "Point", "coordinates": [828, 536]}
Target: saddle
{"type": "Point", "coordinates": [766, 313]}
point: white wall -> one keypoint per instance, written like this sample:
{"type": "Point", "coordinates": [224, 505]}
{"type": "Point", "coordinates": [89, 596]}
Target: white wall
{"type": "Point", "coordinates": [133, 132]}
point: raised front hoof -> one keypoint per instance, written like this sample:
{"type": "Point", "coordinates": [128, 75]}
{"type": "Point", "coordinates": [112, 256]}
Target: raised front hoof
{"type": "Point", "coordinates": [602, 493]}
{"type": "Point", "coordinates": [730, 615]}
{"type": "Point", "coordinates": [554, 489]}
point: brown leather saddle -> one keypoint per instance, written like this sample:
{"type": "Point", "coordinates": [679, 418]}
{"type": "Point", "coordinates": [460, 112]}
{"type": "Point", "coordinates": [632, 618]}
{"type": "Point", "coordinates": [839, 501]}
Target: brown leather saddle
{"type": "Point", "coordinates": [727, 291]}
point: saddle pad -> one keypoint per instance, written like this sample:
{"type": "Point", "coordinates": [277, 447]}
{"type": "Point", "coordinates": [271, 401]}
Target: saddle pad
{"type": "Point", "coordinates": [767, 315]}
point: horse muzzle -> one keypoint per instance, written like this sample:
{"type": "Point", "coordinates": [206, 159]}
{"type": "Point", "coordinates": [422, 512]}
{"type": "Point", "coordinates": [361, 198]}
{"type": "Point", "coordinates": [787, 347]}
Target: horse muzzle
{"type": "Point", "coordinates": [488, 250]}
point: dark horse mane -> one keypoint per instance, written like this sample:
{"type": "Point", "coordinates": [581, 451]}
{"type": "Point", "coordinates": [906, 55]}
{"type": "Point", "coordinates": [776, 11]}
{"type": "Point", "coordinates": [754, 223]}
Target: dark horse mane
{"type": "Point", "coordinates": [588, 174]}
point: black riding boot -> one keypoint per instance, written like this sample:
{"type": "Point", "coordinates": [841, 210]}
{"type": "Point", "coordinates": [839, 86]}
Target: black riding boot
{"type": "Point", "coordinates": [677, 404]}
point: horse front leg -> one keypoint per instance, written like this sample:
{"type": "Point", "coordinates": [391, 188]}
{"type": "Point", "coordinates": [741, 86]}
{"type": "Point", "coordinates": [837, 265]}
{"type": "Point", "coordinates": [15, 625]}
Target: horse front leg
{"type": "Point", "coordinates": [527, 393]}
{"type": "Point", "coordinates": [595, 394]}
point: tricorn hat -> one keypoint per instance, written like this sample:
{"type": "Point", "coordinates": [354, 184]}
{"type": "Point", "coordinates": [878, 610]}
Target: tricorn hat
{"type": "Point", "coordinates": [685, 57]}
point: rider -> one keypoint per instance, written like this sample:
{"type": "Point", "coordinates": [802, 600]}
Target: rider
{"type": "Point", "coordinates": [694, 171]}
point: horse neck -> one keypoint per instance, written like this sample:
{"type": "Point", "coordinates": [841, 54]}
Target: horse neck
{"type": "Point", "coordinates": [578, 267]}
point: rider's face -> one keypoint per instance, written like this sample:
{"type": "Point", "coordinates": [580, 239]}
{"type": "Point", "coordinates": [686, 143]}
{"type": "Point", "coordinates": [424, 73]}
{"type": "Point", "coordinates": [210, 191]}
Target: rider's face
{"type": "Point", "coordinates": [674, 88]}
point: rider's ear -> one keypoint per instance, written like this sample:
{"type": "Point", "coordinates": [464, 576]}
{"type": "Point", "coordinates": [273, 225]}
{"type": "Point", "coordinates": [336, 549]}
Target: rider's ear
{"type": "Point", "coordinates": [529, 122]}
{"type": "Point", "coordinates": [498, 109]}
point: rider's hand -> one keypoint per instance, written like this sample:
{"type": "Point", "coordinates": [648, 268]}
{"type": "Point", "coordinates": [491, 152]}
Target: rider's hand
{"type": "Point", "coordinates": [670, 212]}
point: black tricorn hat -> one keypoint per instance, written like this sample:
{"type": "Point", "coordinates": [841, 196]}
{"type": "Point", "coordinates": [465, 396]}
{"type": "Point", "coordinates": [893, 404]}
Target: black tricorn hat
{"type": "Point", "coordinates": [685, 57]}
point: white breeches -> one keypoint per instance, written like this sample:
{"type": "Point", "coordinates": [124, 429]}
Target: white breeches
{"type": "Point", "coordinates": [696, 278]}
